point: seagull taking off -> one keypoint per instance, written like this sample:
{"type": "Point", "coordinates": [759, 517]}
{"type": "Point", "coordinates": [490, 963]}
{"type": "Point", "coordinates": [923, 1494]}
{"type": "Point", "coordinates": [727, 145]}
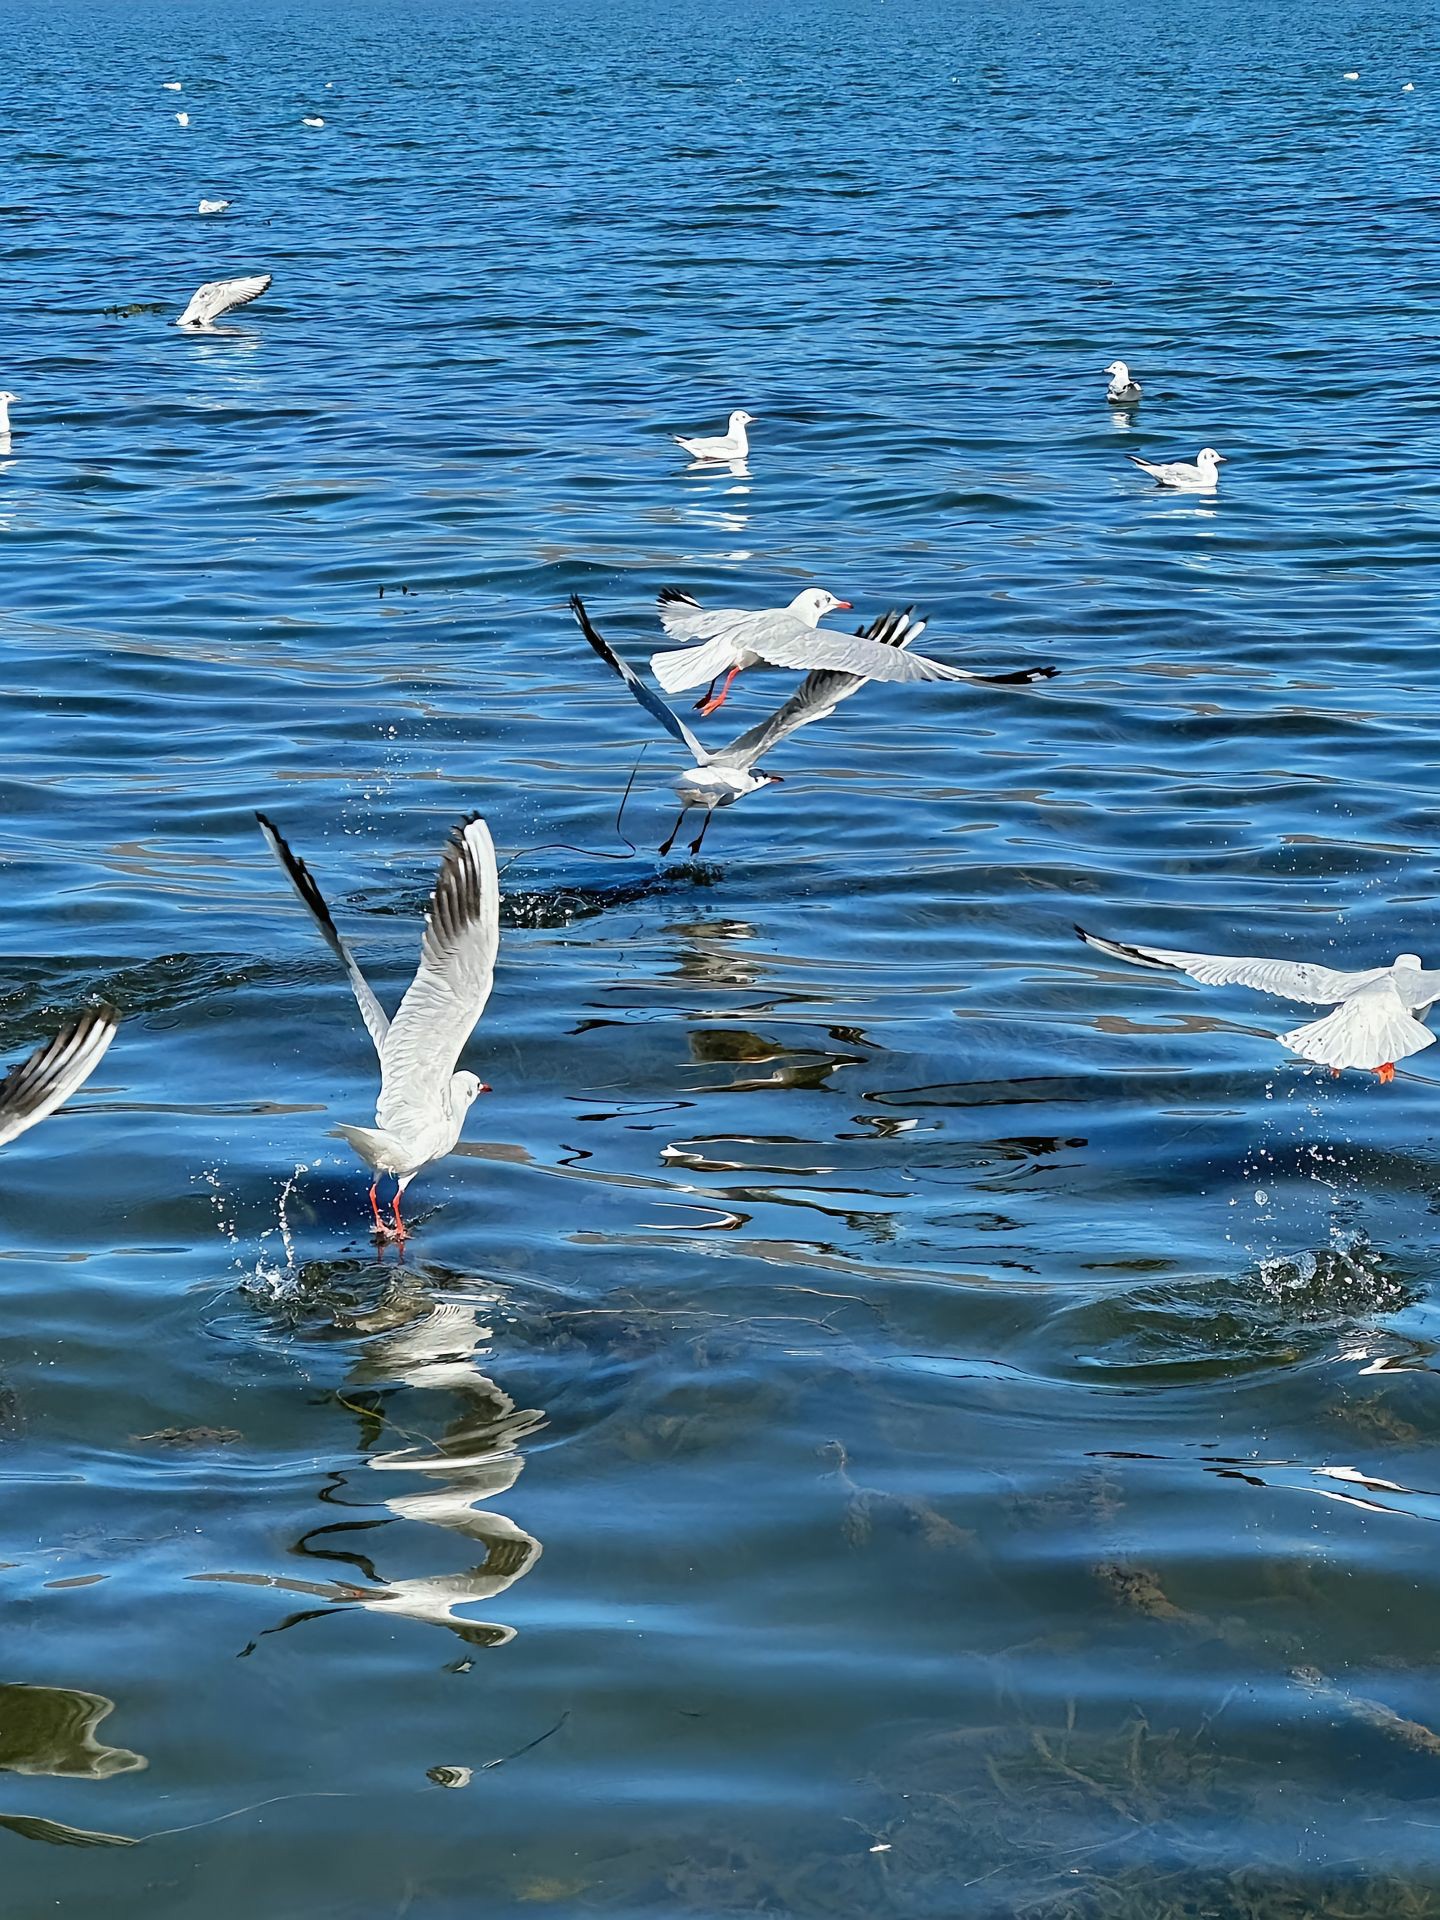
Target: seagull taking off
{"type": "Point", "coordinates": [1199, 478]}
{"type": "Point", "coordinates": [1373, 1024]}
{"type": "Point", "coordinates": [1122, 390]}
{"type": "Point", "coordinates": [720, 778]}
{"type": "Point", "coordinates": [48, 1078]}
{"type": "Point", "coordinates": [219, 297]}
{"type": "Point", "coordinates": [730, 445]}
{"type": "Point", "coordinates": [423, 1100]}
{"type": "Point", "coordinates": [213, 206]}
{"type": "Point", "coordinates": [733, 639]}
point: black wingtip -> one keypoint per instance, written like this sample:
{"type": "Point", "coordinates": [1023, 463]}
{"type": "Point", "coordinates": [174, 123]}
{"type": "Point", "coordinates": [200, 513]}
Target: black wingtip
{"type": "Point", "coordinates": [1080, 933]}
{"type": "Point", "coordinates": [671, 596]}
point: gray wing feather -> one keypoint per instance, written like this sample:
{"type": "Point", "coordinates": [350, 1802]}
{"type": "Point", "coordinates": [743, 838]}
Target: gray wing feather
{"type": "Point", "coordinates": [37, 1086]}
{"type": "Point", "coordinates": [449, 991]}
{"type": "Point", "coordinates": [207, 303]}
{"type": "Point", "coordinates": [787, 642]}
{"type": "Point", "coordinates": [817, 696]}
{"type": "Point", "coordinates": [303, 881]}
{"type": "Point", "coordinates": [1286, 979]}
{"type": "Point", "coordinates": [647, 696]}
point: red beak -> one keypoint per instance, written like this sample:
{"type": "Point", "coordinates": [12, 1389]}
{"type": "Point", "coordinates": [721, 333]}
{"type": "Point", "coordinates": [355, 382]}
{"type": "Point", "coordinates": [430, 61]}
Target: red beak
{"type": "Point", "coordinates": [843, 603]}
{"type": "Point", "coordinates": [482, 1088]}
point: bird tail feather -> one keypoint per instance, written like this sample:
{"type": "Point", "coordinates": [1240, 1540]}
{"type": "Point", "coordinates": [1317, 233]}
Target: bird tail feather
{"type": "Point", "coordinates": [1369, 1031]}
{"type": "Point", "coordinates": [371, 1145]}
{"type": "Point", "coordinates": [691, 666]}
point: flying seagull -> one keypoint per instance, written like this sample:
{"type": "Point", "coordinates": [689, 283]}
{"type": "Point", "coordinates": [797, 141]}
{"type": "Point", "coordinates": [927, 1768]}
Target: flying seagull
{"type": "Point", "coordinates": [1373, 1024]}
{"type": "Point", "coordinates": [423, 1100]}
{"type": "Point", "coordinates": [734, 639]}
{"type": "Point", "coordinates": [1199, 478]}
{"type": "Point", "coordinates": [730, 445]}
{"type": "Point", "coordinates": [1122, 390]}
{"type": "Point", "coordinates": [37, 1086]}
{"type": "Point", "coordinates": [719, 778]}
{"type": "Point", "coordinates": [219, 297]}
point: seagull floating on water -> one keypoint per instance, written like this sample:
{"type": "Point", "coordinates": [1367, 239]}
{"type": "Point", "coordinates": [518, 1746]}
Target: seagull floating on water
{"type": "Point", "coordinates": [313, 120]}
{"type": "Point", "coordinates": [37, 1086]}
{"type": "Point", "coordinates": [1122, 390]}
{"type": "Point", "coordinates": [213, 206]}
{"type": "Point", "coordinates": [7, 400]}
{"type": "Point", "coordinates": [183, 118]}
{"type": "Point", "coordinates": [1202, 477]}
{"type": "Point", "coordinates": [172, 86]}
{"type": "Point", "coordinates": [1373, 1024]}
{"type": "Point", "coordinates": [734, 639]}
{"type": "Point", "coordinates": [720, 777]}
{"type": "Point", "coordinates": [733, 444]}
{"type": "Point", "coordinates": [219, 297]}
{"type": "Point", "coordinates": [423, 1100]}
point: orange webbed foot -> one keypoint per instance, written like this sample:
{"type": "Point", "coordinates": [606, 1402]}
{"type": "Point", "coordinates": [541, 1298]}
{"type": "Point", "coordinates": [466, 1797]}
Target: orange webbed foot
{"type": "Point", "coordinates": [1386, 1073]}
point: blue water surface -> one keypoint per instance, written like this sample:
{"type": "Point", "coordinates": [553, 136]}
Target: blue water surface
{"type": "Point", "coordinates": [888, 1412]}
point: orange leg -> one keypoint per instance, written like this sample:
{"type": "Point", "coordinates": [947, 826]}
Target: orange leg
{"type": "Point", "coordinates": [380, 1226]}
{"type": "Point", "coordinates": [714, 705]}
{"type": "Point", "coordinates": [395, 1207]}
{"type": "Point", "coordinates": [1386, 1073]}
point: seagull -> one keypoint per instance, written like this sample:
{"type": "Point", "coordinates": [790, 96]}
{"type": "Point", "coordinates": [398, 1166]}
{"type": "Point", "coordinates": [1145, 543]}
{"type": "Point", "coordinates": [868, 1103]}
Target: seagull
{"type": "Point", "coordinates": [1409, 87]}
{"type": "Point", "coordinates": [213, 206]}
{"type": "Point", "coordinates": [719, 779]}
{"type": "Point", "coordinates": [734, 639]}
{"type": "Point", "coordinates": [1200, 478]}
{"type": "Point", "coordinates": [1122, 391]}
{"type": "Point", "coordinates": [313, 120]}
{"type": "Point", "coordinates": [423, 1100]}
{"type": "Point", "coordinates": [172, 86]}
{"type": "Point", "coordinates": [730, 445]}
{"type": "Point", "coordinates": [37, 1086]}
{"type": "Point", "coordinates": [1372, 1025]}
{"type": "Point", "coordinates": [183, 118]}
{"type": "Point", "coordinates": [7, 400]}
{"type": "Point", "coordinates": [218, 297]}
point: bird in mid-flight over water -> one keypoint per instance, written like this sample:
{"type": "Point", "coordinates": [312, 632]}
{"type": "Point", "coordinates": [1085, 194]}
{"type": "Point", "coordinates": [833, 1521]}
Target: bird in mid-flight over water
{"type": "Point", "coordinates": [1373, 1024]}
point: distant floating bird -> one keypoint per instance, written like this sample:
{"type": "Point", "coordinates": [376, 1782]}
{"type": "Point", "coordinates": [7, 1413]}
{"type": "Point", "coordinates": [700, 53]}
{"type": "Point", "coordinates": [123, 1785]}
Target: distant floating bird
{"type": "Point", "coordinates": [172, 86]}
{"type": "Point", "coordinates": [719, 778]}
{"type": "Point", "coordinates": [1122, 390]}
{"type": "Point", "coordinates": [7, 400]}
{"type": "Point", "coordinates": [218, 297]}
{"type": "Point", "coordinates": [183, 118]}
{"type": "Point", "coordinates": [313, 120]}
{"type": "Point", "coordinates": [47, 1079]}
{"type": "Point", "coordinates": [1409, 87]}
{"type": "Point", "coordinates": [733, 444]}
{"type": "Point", "coordinates": [734, 639]}
{"type": "Point", "coordinates": [213, 206]}
{"type": "Point", "coordinates": [1352, 76]}
{"type": "Point", "coordinates": [423, 1100]}
{"type": "Point", "coordinates": [1372, 1025]}
{"type": "Point", "coordinates": [1199, 478]}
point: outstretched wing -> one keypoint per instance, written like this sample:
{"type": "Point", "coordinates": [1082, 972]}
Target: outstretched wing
{"type": "Point", "coordinates": [647, 696]}
{"type": "Point", "coordinates": [1286, 979]}
{"type": "Point", "coordinates": [48, 1078]}
{"type": "Point", "coordinates": [303, 881]}
{"type": "Point", "coordinates": [683, 617]}
{"type": "Point", "coordinates": [817, 696]}
{"type": "Point", "coordinates": [784, 641]}
{"type": "Point", "coordinates": [207, 303]}
{"type": "Point", "coordinates": [449, 991]}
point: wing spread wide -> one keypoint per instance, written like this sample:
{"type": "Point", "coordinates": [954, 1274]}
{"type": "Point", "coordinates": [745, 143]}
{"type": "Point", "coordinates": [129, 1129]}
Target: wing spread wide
{"type": "Point", "coordinates": [371, 1012]}
{"type": "Point", "coordinates": [449, 991]}
{"type": "Point", "coordinates": [647, 696]}
{"type": "Point", "coordinates": [1288, 980]}
{"type": "Point", "coordinates": [1370, 1029]}
{"type": "Point", "coordinates": [37, 1086]}
{"type": "Point", "coordinates": [207, 303]}
{"type": "Point", "coordinates": [817, 696]}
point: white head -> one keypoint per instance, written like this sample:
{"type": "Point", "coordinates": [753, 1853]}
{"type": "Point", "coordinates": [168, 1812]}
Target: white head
{"type": "Point", "coordinates": [464, 1087]}
{"type": "Point", "coordinates": [1409, 960]}
{"type": "Point", "coordinates": [1207, 460]}
{"type": "Point", "coordinates": [5, 403]}
{"type": "Point", "coordinates": [1119, 373]}
{"type": "Point", "coordinates": [813, 605]}
{"type": "Point", "coordinates": [739, 421]}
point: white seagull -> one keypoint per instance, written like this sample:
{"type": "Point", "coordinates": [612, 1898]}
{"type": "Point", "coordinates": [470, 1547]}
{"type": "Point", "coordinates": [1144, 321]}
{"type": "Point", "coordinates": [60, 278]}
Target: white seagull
{"type": "Point", "coordinates": [53, 1072]}
{"type": "Point", "coordinates": [423, 1100]}
{"type": "Point", "coordinates": [733, 639]}
{"type": "Point", "coordinates": [720, 778]}
{"type": "Point", "coordinates": [1122, 390]}
{"type": "Point", "coordinates": [183, 118]}
{"type": "Point", "coordinates": [7, 400]}
{"type": "Point", "coordinates": [213, 206]}
{"type": "Point", "coordinates": [730, 445]}
{"type": "Point", "coordinates": [218, 297]}
{"type": "Point", "coordinates": [1373, 1024]}
{"type": "Point", "coordinates": [1199, 478]}
{"type": "Point", "coordinates": [313, 120]}
{"type": "Point", "coordinates": [172, 86]}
